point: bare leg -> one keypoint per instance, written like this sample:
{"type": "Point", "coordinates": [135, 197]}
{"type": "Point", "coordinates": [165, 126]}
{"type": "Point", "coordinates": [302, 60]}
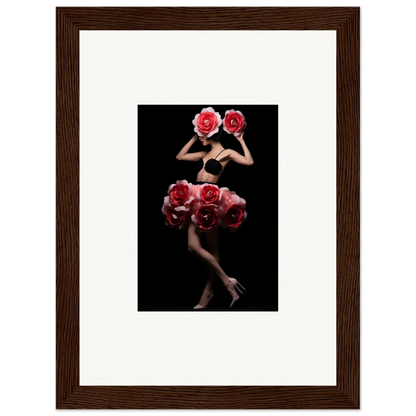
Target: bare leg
{"type": "Point", "coordinates": [195, 247]}
{"type": "Point", "coordinates": [212, 246]}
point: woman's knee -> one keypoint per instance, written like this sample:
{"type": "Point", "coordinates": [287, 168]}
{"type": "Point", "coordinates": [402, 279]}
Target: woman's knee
{"type": "Point", "coordinates": [193, 249]}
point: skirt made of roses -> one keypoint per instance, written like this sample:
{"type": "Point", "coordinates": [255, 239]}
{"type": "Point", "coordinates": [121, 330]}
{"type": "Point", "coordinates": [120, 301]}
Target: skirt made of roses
{"type": "Point", "coordinates": [206, 205]}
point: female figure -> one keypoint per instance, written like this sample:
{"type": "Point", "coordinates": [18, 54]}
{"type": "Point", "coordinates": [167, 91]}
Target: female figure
{"type": "Point", "coordinates": [211, 165]}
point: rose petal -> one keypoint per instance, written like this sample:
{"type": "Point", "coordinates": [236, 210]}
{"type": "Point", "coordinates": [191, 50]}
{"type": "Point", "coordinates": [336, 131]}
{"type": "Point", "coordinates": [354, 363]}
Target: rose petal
{"type": "Point", "coordinates": [195, 119]}
{"type": "Point", "coordinates": [213, 132]}
{"type": "Point", "coordinates": [181, 208]}
{"type": "Point", "coordinates": [199, 133]}
{"type": "Point", "coordinates": [241, 114]}
{"type": "Point", "coordinates": [219, 118]}
{"type": "Point", "coordinates": [166, 204]}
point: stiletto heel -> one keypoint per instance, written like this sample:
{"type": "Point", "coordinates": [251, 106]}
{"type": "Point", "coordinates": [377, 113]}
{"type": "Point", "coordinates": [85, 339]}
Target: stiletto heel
{"type": "Point", "coordinates": [239, 286]}
{"type": "Point", "coordinates": [235, 284]}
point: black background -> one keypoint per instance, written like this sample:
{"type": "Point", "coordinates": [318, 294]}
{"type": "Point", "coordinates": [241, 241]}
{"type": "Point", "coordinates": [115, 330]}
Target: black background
{"type": "Point", "coordinates": [169, 276]}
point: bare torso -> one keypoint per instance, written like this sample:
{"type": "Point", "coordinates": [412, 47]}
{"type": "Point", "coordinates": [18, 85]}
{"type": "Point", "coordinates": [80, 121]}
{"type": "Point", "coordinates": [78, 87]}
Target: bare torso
{"type": "Point", "coordinates": [223, 158]}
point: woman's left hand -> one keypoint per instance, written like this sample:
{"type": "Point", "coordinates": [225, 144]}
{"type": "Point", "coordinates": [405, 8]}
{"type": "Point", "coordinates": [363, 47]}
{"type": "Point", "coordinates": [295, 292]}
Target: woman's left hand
{"type": "Point", "coordinates": [240, 137]}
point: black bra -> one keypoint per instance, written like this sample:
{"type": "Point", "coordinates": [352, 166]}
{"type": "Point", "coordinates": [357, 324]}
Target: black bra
{"type": "Point", "coordinates": [212, 165]}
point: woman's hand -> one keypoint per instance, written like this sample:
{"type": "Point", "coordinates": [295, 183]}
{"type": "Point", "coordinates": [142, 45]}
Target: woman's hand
{"type": "Point", "coordinates": [240, 138]}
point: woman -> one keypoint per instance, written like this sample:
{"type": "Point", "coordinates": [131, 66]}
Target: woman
{"type": "Point", "coordinates": [211, 165]}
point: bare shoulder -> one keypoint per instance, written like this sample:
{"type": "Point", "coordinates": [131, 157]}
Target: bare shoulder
{"type": "Point", "coordinates": [229, 154]}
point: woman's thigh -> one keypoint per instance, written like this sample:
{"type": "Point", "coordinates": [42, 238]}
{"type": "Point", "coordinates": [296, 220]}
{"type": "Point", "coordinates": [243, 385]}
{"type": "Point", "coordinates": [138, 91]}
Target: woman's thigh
{"type": "Point", "coordinates": [212, 242]}
{"type": "Point", "coordinates": [194, 238]}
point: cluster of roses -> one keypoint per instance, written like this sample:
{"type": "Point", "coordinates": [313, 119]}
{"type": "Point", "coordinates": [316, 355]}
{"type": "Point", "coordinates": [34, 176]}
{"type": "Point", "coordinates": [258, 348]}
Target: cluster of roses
{"type": "Point", "coordinates": [207, 122]}
{"type": "Point", "coordinates": [207, 205]}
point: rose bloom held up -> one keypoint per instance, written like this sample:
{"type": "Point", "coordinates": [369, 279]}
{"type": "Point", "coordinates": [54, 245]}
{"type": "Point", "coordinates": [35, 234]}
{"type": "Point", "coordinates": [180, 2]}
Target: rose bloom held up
{"type": "Point", "coordinates": [234, 122]}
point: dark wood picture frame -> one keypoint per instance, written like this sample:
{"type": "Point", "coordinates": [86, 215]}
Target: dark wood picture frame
{"type": "Point", "coordinates": [346, 22]}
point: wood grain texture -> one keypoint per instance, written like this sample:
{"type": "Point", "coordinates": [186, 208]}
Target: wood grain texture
{"type": "Point", "coordinates": [69, 394]}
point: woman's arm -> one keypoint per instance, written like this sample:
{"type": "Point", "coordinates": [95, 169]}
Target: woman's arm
{"type": "Point", "coordinates": [192, 157]}
{"type": "Point", "coordinates": [247, 159]}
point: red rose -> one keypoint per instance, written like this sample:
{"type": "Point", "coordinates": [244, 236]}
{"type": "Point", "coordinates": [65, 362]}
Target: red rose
{"type": "Point", "coordinates": [176, 218]}
{"type": "Point", "coordinates": [234, 216]}
{"type": "Point", "coordinates": [234, 122]}
{"type": "Point", "coordinates": [207, 122]}
{"type": "Point", "coordinates": [181, 193]}
{"type": "Point", "coordinates": [206, 216]}
{"type": "Point", "coordinates": [209, 194]}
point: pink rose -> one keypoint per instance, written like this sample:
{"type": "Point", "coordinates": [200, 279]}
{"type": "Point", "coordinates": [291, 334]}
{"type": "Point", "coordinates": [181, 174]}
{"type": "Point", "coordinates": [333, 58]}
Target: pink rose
{"type": "Point", "coordinates": [234, 122]}
{"type": "Point", "coordinates": [209, 194]}
{"type": "Point", "coordinates": [206, 217]}
{"type": "Point", "coordinates": [232, 211]}
{"type": "Point", "coordinates": [166, 205]}
{"type": "Point", "coordinates": [180, 194]}
{"type": "Point", "coordinates": [207, 122]}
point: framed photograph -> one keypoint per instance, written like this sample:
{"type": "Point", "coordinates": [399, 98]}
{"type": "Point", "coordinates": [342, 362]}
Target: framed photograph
{"type": "Point", "coordinates": [207, 208]}
{"type": "Point", "coordinates": [221, 185]}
